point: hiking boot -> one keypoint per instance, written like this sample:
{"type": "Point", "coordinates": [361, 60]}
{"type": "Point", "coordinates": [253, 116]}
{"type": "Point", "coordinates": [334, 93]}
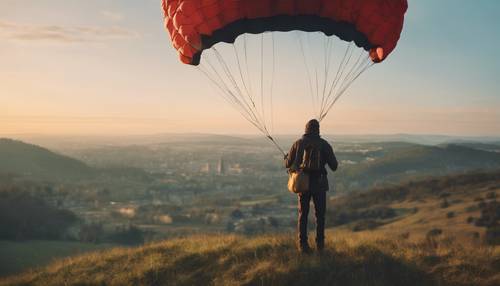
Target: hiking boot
{"type": "Point", "coordinates": [320, 246]}
{"type": "Point", "coordinates": [305, 249]}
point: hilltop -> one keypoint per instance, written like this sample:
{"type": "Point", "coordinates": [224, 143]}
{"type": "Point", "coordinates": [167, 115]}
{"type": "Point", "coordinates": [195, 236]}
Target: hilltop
{"type": "Point", "coordinates": [272, 260]}
{"type": "Point", "coordinates": [29, 160]}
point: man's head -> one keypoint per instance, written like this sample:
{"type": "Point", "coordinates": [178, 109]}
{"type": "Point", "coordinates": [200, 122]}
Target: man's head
{"type": "Point", "coordinates": [312, 127]}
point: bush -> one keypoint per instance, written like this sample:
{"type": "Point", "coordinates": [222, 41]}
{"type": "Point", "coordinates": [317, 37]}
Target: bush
{"type": "Point", "coordinates": [444, 204]}
{"type": "Point", "coordinates": [490, 215]}
{"type": "Point", "coordinates": [492, 235]}
{"type": "Point", "coordinates": [434, 232]}
{"type": "Point", "coordinates": [344, 216]}
{"type": "Point", "coordinates": [130, 235]}
{"type": "Point", "coordinates": [450, 215]}
{"type": "Point", "coordinates": [470, 219]}
{"type": "Point", "coordinates": [25, 216]}
{"type": "Point", "coordinates": [444, 195]}
{"type": "Point", "coordinates": [237, 214]}
{"type": "Point", "coordinates": [366, 225]}
{"type": "Point", "coordinates": [92, 232]}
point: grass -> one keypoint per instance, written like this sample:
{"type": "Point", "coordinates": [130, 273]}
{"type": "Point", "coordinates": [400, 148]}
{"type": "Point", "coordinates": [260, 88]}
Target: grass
{"type": "Point", "coordinates": [19, 256]}
{"type": "Point", "coordinates": [349, 259]}
{"type": "Point", "coordinates": [418, 206]}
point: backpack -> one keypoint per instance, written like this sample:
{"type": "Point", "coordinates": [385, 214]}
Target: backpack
{"type": "Point", "coordinates": [311, 160]}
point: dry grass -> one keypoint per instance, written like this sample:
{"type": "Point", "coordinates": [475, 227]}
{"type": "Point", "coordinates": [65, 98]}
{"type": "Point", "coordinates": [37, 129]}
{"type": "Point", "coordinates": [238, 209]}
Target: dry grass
{"type": "Point", "coordinates": [350, 259]}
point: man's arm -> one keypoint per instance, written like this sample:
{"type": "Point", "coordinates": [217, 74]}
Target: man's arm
{"type": "Point", "coordinates": [331, 160]}
{"type": "Point", "coordinates": [290, 157]}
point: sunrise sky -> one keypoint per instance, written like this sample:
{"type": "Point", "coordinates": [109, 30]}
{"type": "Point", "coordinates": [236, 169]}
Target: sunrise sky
{"type": "Point", "coordinates": [107, 67]}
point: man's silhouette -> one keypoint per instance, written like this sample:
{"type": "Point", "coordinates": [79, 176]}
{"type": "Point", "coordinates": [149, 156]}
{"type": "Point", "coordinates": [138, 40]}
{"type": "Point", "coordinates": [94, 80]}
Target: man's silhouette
{"type": "Point", "coordinates": [304, 152]}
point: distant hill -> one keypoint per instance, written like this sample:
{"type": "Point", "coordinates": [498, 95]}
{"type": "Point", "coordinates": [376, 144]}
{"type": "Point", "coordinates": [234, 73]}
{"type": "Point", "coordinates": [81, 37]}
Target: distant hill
{"type": "Point", "coordinates": [419, 161]}
{"type": "Point", "coordinates": [36, 162]}
{"type": "Point", "coordinates": [492, 147]}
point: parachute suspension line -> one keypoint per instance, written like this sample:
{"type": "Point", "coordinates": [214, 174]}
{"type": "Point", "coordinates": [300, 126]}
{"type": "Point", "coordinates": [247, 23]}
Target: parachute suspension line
{"type": "Point", "coordinates": [344, 89]}
{"type": "Point", "coordinates": [263, 127]}
{"type": "Point", "coordinates": [326, 68]}
{"type": "Point", "coordinates": [236, 91]}
{"type": "Point", "coordinates": [328, 60]}
{"type": "Point", "coordinates": [247, 67]}
{"type": "Point", "coordinates": [237, 88]}
{"type": "Point", "coordinates": [262, 78]}
{"type": "Point", "coordinates": [252, 107]}
{"type": "Point", "coordinates": [272, 82]}
{"type": "Point", "coordinates": [314, 65]}
{"type": "Point", "coordinates": [248, 87]}
{"type": "Point", "coordinates": [266, 131]}
{"type": "Point", "coordinates": [241, 74]}
{"type": "Point", "coordinates": [236, 100]}
{"type": "Point", "coordinates": [338, 76]}
{"type": "Point", "coordinates": [361, 66]}
{"type": "Point", "coordinates": [230, 97]}
{"type": "Point", "coordinates": [307, 68]}
{"type": "Point", "coordinates": [329, 48]}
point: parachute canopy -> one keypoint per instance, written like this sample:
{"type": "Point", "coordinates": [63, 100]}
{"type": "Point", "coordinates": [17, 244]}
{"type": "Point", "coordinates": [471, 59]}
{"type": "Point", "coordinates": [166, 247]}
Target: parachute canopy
{"type": "Point", "coordinates": [196, 25]}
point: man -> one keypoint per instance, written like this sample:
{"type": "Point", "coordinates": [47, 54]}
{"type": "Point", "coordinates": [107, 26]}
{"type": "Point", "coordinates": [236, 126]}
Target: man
{"type": "Point", "coordinates": [318, 181]}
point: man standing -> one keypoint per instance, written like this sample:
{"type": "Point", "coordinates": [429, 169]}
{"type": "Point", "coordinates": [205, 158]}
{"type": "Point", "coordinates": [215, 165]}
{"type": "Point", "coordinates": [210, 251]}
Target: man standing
{"type": "Point", "coordinates": [311, 153]}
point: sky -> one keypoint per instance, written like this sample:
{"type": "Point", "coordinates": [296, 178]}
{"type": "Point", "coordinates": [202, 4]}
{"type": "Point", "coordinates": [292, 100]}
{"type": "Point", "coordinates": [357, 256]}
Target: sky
{"type": "Point", "coordinates": [106, 67]}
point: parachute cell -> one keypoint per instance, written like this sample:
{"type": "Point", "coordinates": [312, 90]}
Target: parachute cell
{"type": "Point", "coordinates": [197, 25]}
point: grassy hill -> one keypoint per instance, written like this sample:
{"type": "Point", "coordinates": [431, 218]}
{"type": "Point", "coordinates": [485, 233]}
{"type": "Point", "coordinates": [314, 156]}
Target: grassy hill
{"type": "Point", "coordinates": [272, 260]}
{"type": "Point", "coordinates": [33, 161]}
{"type": "Point", "coordinates": [413, 241]}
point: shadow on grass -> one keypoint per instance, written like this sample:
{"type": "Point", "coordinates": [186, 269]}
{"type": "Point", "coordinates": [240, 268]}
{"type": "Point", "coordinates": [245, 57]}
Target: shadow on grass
{"type": "Point", "coordinates": [282, 265]}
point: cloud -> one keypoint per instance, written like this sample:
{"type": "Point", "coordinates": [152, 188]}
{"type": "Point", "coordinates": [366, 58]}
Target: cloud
{"type": "Point", "coordinates": [63, 34]}
{"type": "Point", "coordinates": [111, 15]}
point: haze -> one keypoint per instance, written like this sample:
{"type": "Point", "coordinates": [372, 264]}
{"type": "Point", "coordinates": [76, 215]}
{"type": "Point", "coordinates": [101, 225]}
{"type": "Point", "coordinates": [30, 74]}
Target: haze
{"type": "Point", "coordinates": [107, 67]}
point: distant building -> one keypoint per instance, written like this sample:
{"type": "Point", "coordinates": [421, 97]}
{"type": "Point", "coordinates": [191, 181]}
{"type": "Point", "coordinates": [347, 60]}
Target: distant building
{"type": "Point", "coordinates": [221, 167]}
{"type": "Point", "coordinates": [206, 168]}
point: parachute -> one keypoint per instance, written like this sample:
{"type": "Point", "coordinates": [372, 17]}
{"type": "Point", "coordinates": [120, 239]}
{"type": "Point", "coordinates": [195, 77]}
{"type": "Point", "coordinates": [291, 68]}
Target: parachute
{"type": "Point", "coordinates": [198, 26]}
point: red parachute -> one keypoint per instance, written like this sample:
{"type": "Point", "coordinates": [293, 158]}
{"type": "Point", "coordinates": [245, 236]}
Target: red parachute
{"type": "Point", "coordinates": [196, 25]}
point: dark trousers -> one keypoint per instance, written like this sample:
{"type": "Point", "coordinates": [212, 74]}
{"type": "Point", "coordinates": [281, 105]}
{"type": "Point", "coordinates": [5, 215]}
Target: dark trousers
{"type": "Point", "coordinates": [319, 199]}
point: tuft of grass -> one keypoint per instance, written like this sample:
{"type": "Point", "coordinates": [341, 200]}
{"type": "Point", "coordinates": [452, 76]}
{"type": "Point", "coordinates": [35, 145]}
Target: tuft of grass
{"type": "Point", "coordinates": [349, 259]}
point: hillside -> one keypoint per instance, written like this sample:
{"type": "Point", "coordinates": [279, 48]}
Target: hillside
{"type": "Point", "coordinates": [492, 146]}
{"type": "Point", "coordinates": [272, 260]}
{"type": "Point", "coordinates": [32, 161]}
{"type": "Point", "coordinates": [464, 207]}
{"type": "Point", "coordinates": [419, 160]}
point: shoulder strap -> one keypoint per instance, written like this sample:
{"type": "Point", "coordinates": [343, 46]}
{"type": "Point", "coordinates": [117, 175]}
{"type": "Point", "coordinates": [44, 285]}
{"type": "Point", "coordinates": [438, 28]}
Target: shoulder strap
{"type": "Point", "coordinates": [298, 156]}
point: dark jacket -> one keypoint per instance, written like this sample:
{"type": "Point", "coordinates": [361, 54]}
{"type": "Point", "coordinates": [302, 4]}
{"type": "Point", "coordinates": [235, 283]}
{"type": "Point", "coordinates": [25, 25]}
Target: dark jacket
{"type": "Point", "coordinates": [318, 180]}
